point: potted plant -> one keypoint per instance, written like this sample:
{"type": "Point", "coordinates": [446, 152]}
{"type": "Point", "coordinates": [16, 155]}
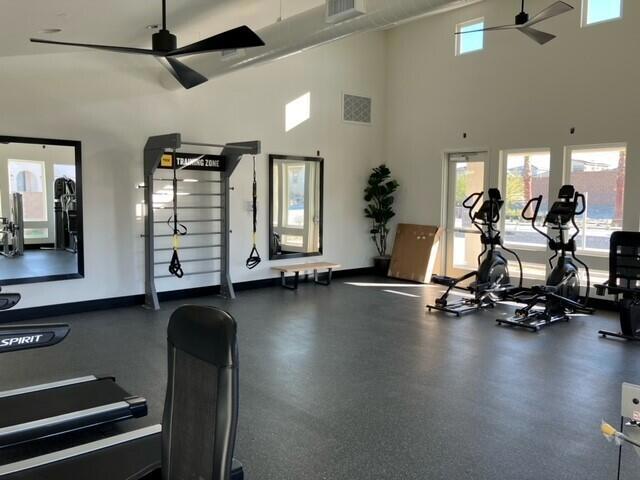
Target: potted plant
{"type": "Point", "coordinates": [379, 195]}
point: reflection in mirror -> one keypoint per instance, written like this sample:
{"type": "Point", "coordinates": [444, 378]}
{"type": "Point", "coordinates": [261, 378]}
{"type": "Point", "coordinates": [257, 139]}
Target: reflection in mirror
{"type": "Point", "coordinates": [40, 210]}
{"type": "Point", "coordinates": [295, 191]}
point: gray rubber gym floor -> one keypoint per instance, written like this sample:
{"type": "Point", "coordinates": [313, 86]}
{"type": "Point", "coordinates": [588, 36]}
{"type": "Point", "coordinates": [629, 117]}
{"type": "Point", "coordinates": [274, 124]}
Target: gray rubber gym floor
{"type": "Point", "coordinates": [354, 382]}
{"type": "Point", "coordinates": [38, 263]}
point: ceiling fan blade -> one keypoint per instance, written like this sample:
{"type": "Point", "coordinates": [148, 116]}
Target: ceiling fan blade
{"type": "Point", "coordinates": [241, 37]}
{"type": "Point", "coordinates": [537, 35]}
{"type": "Point", "coordinates": [138, 51]}
{"type": "Point", "coordinates": [488, 29]}
{"type": "Point", "coordinates": [187, 77]}
{"type": "Point", "coordinates": [556, 9]}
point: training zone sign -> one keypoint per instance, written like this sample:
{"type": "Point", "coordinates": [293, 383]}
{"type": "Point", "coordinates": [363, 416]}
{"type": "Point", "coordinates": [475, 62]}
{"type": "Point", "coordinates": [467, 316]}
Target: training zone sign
{"type": "Point", "coordinates": [193, 161]}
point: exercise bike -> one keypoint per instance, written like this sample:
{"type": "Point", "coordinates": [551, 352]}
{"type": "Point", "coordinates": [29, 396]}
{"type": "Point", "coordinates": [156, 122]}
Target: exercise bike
{"type": "Point", "coordinates": [624, 283]}
{"type": "Point", "coordinates": [491, 280]}
{"type": "Point", "coordinates": [561, 292]}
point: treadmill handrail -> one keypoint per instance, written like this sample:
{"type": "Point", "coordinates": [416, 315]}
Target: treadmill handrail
{"type": "Point", "coordinates": [62, 419]}
{"type": "Point", "coordinates": [47, 386]}
{"type": "Point", "coordinates": [73, 452]}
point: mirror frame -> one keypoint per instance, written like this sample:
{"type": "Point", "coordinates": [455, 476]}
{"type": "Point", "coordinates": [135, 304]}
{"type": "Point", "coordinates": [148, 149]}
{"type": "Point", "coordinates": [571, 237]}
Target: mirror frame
{"type": "Point", "coordinates": [320, 160]}
{"type": "Point", "coordinates": [77, 145]}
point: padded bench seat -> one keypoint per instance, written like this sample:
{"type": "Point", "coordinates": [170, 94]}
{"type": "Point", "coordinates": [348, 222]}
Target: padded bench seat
{"type": "Point", "coordinates": [305, 267]}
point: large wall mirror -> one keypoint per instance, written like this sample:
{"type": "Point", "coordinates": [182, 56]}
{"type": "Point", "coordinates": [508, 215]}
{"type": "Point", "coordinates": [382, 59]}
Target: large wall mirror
{"type": "Point", "coordinates": [40, 210]}
{"type": "Point", "coordinates": [295, 210]}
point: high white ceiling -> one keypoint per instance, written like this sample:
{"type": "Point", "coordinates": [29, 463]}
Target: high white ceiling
{"type": "Point", "coordinates": [123, 22]}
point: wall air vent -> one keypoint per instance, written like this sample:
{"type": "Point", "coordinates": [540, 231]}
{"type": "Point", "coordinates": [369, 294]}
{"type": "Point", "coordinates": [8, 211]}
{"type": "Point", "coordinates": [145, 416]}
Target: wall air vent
{"type": "Point", "coordinates": [341, 10]}
{"type": "Point", "coordinates": [356, 109]}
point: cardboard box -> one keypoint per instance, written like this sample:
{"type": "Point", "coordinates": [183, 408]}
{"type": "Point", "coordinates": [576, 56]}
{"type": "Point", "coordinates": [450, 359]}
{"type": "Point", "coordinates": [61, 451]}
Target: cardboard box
{"type": "Point", "coordinates": [416, 252]}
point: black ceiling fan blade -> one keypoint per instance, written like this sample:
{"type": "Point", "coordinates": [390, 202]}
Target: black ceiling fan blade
{"type": "Point", "coordinates": [488, 29]}
{"type": "Point", "coordinates": [537, 35]}
{"type": "Point", "coordinates": [241, 37]}
{"type": "Point", "coordinates": [137, 51]}
{"type": "Point", "coordinates": [187, 77]}
{"type": "Point", "coordinates": [554, 10]}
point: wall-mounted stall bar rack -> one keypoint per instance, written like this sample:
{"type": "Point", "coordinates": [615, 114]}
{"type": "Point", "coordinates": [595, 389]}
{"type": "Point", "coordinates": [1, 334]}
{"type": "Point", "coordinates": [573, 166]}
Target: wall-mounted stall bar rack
{"type": "Point", "coordinates": [217, 250]}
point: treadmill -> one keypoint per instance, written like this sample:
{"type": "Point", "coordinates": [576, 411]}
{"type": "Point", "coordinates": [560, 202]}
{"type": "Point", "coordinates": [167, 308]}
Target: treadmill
{"type": "Point", "coordinates": [202, 345]}
{"type": "Point", "coordinates": [40, 411]}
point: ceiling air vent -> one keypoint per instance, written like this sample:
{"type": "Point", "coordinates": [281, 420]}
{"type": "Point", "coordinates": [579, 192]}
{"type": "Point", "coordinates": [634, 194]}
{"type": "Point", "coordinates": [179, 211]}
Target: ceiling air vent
{"type": "Point", "coordinates": [340, 10]}
{"type": "Point", "coordinates": [356, 109]}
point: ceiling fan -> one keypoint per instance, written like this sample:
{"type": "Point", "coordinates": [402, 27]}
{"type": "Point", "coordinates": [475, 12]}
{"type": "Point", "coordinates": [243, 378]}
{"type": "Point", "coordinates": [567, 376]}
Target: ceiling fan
{"type": "Point", "coordinates": [524, 23]}
{"type": "Point", "coordinates": [165, 49]}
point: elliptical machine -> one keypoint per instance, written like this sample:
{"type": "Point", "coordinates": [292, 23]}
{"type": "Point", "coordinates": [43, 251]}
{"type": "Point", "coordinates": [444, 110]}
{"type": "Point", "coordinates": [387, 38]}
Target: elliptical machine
{"type": "Point", "coordinates": [561, 292]}
{"type": "Point", "coordinates": [492, 282]}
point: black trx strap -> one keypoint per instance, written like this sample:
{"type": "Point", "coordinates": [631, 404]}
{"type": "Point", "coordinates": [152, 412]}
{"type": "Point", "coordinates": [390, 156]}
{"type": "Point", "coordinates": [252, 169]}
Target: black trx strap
{"type": "Point", "coordinates": [254, 257]}
{"type": "Point", "coordinates": [175, 268]}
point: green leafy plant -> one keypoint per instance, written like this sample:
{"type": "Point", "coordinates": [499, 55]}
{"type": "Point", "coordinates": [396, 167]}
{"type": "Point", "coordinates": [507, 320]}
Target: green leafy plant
{"type": "Point", "coordinates": [379, 194]}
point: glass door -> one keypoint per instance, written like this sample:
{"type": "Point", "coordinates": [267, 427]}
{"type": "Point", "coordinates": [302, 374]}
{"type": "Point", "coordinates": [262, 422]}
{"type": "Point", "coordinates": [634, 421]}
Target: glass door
{"type": "Point", "coordinates": [466, 175]}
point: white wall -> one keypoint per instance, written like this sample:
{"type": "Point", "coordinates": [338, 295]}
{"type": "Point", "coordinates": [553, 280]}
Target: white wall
{"type": "Point", "coordinates": [113, 103]}
{"type": "Point", "coordinates": [514, 94]}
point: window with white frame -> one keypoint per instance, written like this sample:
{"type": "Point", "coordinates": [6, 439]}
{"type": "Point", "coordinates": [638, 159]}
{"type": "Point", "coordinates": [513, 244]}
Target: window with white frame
{"type": "Point", "coordinates": [526, 175]}
{"type": "Point", "coordinates": [470, 37]}
{"type": "Point", "coordinates": [599, 173]}
{"type": "Point", "coordinates": [28, 178]}
{"type": "Point", "coordinates": [598, 11]}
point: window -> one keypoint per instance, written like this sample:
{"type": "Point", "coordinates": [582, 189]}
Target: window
{"type": "Point", "coordinates": [526, 177]}
{"type": "Point", "coordinates": [295, 193]}
{"type": "Point", "coordinates": [27, 178]}
{"type": "Point", "coordinates": [63, 170]}
{"type": "Point", "coordinates": [599, 173]}
{"type": "Point", "coordinates": [469, 39]}
{"type": "Point", "coordinates": [598, 11]}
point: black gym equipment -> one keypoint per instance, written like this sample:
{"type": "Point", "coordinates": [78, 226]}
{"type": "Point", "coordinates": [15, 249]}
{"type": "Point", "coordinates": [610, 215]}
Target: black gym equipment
{"type": "Point", "coordinates": [197, 435]}
{"type": "Point", "coordinates": [179, 230]}
{"type": "Point", "coordinates": [8, 300]}
{"type": "Point", "coordinates": [561, 292]}
{"type": "Point", "coordinates": [624, 283]}
{"type": "Point", "coordinates": [491, 280]}
{"type": "Point", "coordinates": [254, 257]}
{"type": "Point", "coordinates": [41, 411]}
{"type": "Point", "coordinates": [66, 214]}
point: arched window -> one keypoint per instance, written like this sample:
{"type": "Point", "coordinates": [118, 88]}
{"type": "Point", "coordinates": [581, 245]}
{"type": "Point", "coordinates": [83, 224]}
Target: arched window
{"type": "Point", "coordinates": [26, 181]}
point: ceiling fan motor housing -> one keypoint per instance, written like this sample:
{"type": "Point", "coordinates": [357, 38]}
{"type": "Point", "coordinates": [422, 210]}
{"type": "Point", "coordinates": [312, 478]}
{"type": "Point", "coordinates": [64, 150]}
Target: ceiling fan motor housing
{"type": "Point", "coordinates": [522, 18]}
{"type": "Point", "coordinates": [164, 41]}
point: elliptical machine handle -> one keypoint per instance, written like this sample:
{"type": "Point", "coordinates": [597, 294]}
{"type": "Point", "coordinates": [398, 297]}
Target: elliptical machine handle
{"type": "Point", "coordinates": [472, 200]}
{"type": "Point", "coordinates": [536, 210]}
{"type": "Point", "coordinates": [583, 203]}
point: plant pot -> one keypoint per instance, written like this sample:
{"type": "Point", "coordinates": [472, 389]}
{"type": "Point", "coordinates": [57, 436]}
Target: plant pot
{"type": "Point", "coordinates": [381, 265]}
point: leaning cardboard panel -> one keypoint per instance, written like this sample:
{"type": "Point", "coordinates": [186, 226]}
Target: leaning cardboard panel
{"type": "Point", "coordinates": [415, 252]}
